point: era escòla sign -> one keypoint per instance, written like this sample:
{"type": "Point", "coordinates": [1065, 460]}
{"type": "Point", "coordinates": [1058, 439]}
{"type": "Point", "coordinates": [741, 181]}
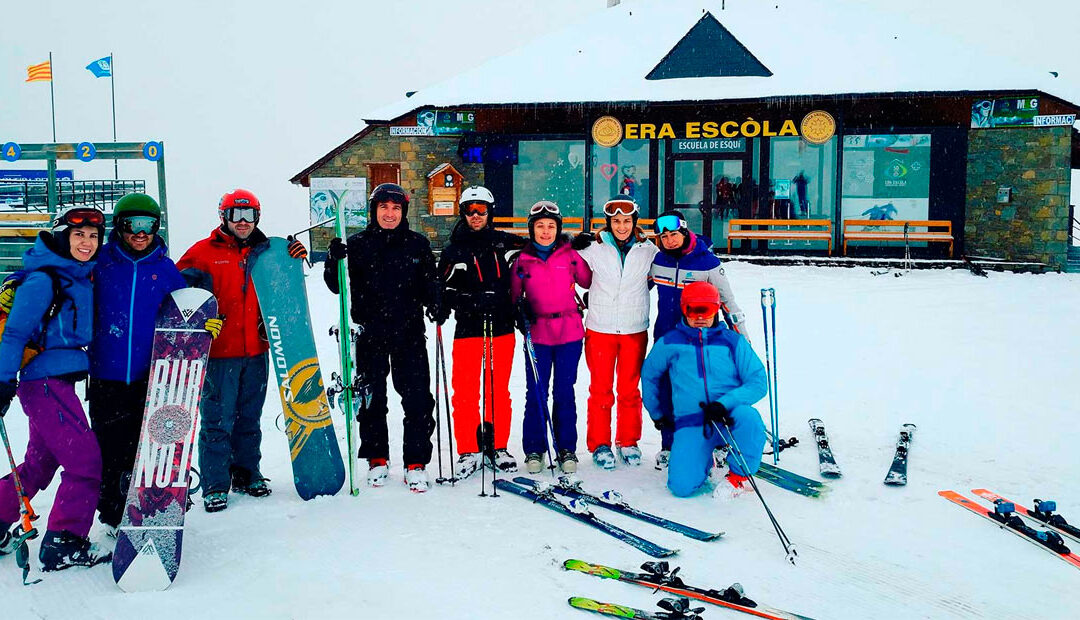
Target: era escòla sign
{"type": "Point", "coordinates": [817, 127]}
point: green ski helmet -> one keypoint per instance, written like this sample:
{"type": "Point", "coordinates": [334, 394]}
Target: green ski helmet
{"type": "Point", "coordinates": [136, 204]}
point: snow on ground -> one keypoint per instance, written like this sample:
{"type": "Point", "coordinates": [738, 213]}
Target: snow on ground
{"type": "Point", "coordinates": [985, 367]}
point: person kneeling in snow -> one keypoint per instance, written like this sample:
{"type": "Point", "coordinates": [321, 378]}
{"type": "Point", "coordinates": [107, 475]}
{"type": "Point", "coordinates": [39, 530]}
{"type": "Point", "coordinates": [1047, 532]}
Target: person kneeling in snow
{"type": "Point", "coordinates": [719, 377]}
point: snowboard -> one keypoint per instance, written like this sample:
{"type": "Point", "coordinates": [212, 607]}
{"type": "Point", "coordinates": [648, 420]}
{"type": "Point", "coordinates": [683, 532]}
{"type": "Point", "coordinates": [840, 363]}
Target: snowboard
{"type": "Point", "coordinates": [313, 445]}
{"type": "Point", "coordinates": [148, 543]}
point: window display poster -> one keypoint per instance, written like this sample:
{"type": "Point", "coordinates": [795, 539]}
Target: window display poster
{"type": "Point", "coordinates": [328, 194]}
{"type": "Point", "coordinates": [886, 176]}
{"type": "Point", "coordinates": [1011, 112]}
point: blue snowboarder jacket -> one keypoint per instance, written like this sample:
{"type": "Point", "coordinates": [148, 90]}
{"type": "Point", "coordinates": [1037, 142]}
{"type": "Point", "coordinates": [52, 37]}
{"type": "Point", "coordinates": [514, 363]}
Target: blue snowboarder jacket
{"type": "Point", "coordinates": [693, 357]}
{"type": "Point", "coordinates": [128, 292]}
{"type": "Point", "coordinates": [65, 337]}
{"type": "Point", "coordinates": [671, 274]}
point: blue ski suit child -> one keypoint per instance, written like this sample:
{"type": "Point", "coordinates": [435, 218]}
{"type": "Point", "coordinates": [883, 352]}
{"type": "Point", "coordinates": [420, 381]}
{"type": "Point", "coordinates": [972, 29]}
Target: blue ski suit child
{"type": "Point", "coordinates": [707, 364]}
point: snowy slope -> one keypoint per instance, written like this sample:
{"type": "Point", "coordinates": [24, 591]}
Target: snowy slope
{"type": "Point", "coordinates": [985, 367]}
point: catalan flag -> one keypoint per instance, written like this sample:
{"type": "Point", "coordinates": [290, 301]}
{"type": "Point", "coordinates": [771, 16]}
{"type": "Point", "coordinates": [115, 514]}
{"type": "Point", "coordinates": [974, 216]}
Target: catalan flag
{"type": "Point", "coordinates": [39, 73]}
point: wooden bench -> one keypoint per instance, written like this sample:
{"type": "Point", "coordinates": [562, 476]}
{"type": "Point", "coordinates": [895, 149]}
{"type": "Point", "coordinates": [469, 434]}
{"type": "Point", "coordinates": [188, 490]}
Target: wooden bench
{"type": "Point", "coordinates": [788, 230]}
{"type": "Point", "coordinates": [520, 225]}
{"type": "Point", "coordinates": [899, 230]}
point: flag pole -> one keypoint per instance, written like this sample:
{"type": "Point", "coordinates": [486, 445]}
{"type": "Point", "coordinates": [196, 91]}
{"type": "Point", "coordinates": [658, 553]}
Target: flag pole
{"type": "Point", "coordinates": [112, 86]}
{"type": "Point", "coordinates": [52, 98]}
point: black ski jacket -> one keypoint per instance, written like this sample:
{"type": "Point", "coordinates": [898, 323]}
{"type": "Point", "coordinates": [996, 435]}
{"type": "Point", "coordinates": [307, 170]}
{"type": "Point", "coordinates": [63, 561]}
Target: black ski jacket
{"type": "Point", "coordinates": [475, 265]}
{"type": "Point", "coordinates": [391, 278]}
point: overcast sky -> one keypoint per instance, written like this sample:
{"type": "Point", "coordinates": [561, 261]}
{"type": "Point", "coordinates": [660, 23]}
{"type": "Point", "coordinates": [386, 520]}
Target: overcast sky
{"type": "Point", "coordinates": [246, 94]}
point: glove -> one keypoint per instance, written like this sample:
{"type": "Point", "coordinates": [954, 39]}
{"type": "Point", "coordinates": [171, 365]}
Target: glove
{"type": "Point", "coordinates": [524, 315]}
{"type": "Point", "coordinates": [717, 413]}
{"type": "Point", "coordinates": [296, 249]}
{"type": "Point", "coordinates": [214, 327]}
{"type": "Point", "coordinates": [582, 240]}
{"type": "Point", "coordinates": [7, 394]}
{"type": "Point", "coordinates": [336, 251]}
{"type": "Point", "coordinates": [438, 313]}
{"type": "Point", "coordinates": [7, 295]}
{"type": "Point", "coordinates": [663, 424]}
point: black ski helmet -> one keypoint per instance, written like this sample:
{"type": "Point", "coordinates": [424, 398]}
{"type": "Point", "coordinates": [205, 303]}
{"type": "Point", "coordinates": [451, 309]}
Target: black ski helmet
{"type": "Point", "coordinates": [389, 192]}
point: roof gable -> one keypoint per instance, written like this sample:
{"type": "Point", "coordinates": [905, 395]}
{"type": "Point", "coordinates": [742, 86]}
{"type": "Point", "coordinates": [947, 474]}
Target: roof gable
{"type": "Point", "coordinates": [708, 50]}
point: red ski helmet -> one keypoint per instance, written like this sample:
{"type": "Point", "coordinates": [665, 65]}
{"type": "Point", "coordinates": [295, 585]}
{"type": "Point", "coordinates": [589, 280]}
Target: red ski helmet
{"type": "Point", "coordinates": [239, 198]}
{"type": "Point", "coordinates": [700, 299]}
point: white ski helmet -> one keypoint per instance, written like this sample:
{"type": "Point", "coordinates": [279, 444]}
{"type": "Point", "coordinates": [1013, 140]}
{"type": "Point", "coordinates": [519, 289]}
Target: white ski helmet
{"type": "Point", "coordinates": [477, 193]}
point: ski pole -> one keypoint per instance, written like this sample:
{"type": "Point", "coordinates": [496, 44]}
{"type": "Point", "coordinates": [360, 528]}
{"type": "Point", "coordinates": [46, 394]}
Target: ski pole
{"type": "Point", "coordinates": [775, 400]}
{"type": "Point", "coordinates": [490, 379]}
{"type": "Point", "coordinates": [530, 354]}
{"type": "Point", "coordinates": [322, 223]}
{"type": "Point", "coordinates": [446, 403]}
{"type": "Point", "coordinates": [26, 512]}
{"type": "Point", "coordinates": [438, 408]}
{"type": "Point", "coordinates": [768, 370]}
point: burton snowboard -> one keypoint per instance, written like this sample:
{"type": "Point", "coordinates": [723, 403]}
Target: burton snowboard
{"type": "Point", "coordinates": [313, 446]}
{"type": "Point", "coordinates": [147, 555]}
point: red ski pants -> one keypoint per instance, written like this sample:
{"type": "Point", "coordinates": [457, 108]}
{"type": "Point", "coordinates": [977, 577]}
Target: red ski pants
{"type": "Point", "coordinates": [614, 357]}
{"type": "Point", "coordinates": [468, 356]}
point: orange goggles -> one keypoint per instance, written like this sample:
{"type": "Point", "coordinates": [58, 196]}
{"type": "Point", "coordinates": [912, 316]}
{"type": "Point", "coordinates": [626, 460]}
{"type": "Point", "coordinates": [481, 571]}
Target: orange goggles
{"type": "Point", "coordinates": [701, 312]}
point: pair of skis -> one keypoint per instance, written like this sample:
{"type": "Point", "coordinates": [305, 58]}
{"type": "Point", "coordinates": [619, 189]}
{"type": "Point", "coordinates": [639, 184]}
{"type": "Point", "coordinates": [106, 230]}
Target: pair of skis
{"type": "Point", "coordinates": [1013, 517]}
{"type": "Point", "coordinates": [897, 475]}
{"type": "Point", "coordinates": [578, 509]}
{"type": "Point", "coordinates": [658, 576]}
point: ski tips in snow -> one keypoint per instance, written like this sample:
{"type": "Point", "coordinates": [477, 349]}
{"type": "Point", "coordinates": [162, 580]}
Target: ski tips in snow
{"type": "Point", "coordinates": [897, 475]}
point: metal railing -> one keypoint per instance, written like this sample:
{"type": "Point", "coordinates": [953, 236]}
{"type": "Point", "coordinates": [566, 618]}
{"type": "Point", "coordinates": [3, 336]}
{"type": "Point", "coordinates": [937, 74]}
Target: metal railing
{"type": "Point", "coordinates": [33, 195]}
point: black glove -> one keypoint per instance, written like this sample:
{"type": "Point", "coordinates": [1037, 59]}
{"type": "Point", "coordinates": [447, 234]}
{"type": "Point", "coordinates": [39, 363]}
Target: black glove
{"type": "Point", "coordinates": [524, 315]}
{"type": "Point", "coordinates": [582, 240]}
{"type": "Point", "coordinates": [717, 413]}
{"type": "Point", "coordinates": [663, 424]}
{"type": "Point", "coordinates": [296, 249]}
{"type": "Point", "coordinates": [336, 251]}
{"type": "Point", "coordinates": [7, 394]}
{"type": "Point", "coordinates": [438, 313]}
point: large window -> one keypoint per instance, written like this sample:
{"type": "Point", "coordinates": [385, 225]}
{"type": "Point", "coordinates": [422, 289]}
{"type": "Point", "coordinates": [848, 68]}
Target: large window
{"type": "Point", "coordinates": [623, 169]}
{"type": "Point", "coordinates": [550, 170]}
{"type": "Point", "coordinates": [802, 179]}
{"type": "Point", "coordinates": [886, 177]}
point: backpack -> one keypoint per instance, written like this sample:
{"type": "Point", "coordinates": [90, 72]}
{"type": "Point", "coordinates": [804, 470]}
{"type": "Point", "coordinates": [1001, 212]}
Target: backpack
{"type": "Point", "coordinates": [36, 344]}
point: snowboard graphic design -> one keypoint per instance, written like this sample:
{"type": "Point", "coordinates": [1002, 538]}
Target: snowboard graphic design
{"type": "Point", "coordinates": [313, 446]}
{"type": "Point", "coordinates": [148, 543]}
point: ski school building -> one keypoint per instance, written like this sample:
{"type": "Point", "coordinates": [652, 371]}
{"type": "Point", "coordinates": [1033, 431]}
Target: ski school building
{"type": "Point", "coordinates": [790, 130]}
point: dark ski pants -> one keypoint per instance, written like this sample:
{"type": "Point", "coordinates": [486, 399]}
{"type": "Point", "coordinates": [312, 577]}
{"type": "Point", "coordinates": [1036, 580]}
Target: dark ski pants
{"type": "Point", "coordinates": [116, 415]}
{"type": "Point", "coordinates": [691, 452]}
{"type": "Point", "coordinates": [232, 403]}
{"type": "Point", "coordinates": [60, 436]}
{"type": "Point", "coordinates": [563, 359]}
{"type": "Point", "coordinates": [402, 356]}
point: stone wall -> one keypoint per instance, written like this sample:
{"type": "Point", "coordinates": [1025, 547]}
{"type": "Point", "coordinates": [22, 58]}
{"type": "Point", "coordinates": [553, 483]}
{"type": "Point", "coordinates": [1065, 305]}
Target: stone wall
{"type": "Point", "coordinates": [417, 156]}
{"type": "Point", "coordinates": [1035, 162]}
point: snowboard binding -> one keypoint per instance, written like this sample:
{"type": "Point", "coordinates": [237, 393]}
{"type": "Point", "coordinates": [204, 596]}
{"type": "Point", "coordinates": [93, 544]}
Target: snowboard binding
{"type": "Point", "coordinates": [678, 609]}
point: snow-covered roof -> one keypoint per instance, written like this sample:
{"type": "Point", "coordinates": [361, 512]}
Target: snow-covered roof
{"type": "Point", "coordinates": [812, 47]}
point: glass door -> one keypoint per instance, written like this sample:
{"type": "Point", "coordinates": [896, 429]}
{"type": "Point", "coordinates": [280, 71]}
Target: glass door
{"type": "Point", "coordinates": [688, 191]}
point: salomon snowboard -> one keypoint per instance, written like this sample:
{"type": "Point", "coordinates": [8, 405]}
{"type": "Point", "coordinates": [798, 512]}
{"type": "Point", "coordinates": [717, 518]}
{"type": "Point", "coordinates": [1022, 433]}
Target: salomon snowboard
{"type": "Point", "coordinates": [148, 543]}
{"type": "Point", "coordinates": [313, 446]}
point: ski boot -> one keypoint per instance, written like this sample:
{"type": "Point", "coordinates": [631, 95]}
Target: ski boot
{"type": "Point", "coordinates": [534, 463]}
{"type": "Point", "coordinates": [567, 462]}
{"type": "Point", "coordinates": [255, 486]}
{"type": "Point", "coordinates": [603, 457]}
{"type": "Point", "coordinates": [60, 550]}
{"type": "Point", "coordinates": [505, 461]}
{"type": "Point", "coordinates": [631, 455]}
{"type": "Point", "coordinates": [378, 472]}
{"type": "Point", "coordinates": [466, 465]}
{"type": "Point", "coordinates": [215, 501]}
{"type": "Point", "coordinates": [733, 486]}
{"type": "Point", "coordinates": [663, 457]}
{"type": "Point", "coordinates": [417, 479]}
{"type": "Point", "coordinates": [8, 542]}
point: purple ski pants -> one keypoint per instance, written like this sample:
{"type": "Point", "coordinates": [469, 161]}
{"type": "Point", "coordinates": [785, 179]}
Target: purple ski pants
{"type": "Point", "coordinates": [60, 436]}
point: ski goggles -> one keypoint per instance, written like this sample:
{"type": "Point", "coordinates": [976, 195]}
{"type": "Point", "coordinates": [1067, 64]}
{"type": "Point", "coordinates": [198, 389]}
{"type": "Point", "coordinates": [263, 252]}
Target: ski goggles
{"type": "Point", "coordinates": [241, 214]}
{"type": "Point", "coordinates": [475, 208]}
{"type": "Point", "coordinates": [544, 206]}
{"type": "Point", "coordinates": [707, 311]}
{"type": "Point", "coordinates": [668, 223]}
{"type": "Point", "coordinates": [618, 206]}
{"type": "Point", "coordinates": [83, 217]}
{"type": "Point", "coordinates": [139, 224]}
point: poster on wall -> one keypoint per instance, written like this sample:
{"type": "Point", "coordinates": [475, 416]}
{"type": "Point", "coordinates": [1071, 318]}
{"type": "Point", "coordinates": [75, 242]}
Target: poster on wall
{"type": "Point", "coordinates": [886, 177]}
{"type": "Point", "coordinates": [1011, 112]}
{"type": "Point", "coordinates": [328, 194]}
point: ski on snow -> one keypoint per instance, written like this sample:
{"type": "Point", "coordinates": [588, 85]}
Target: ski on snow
{"type": "Point", "coordinates": [1043, 513]}
{"type": "Point", "coordinates": [1004, 516]}
{"type": "Point", "coordinates": [826, 461]}
{"type": "Point", "coordinates": [791, 481]}
{"type": "Point", "coordinates": [612, 500]}
{"type": "Point", "coordinates": [658, 576]}
{"type": "Point", "coordinates": [897, 475]}
{"type": "Point", "coordinates": [674, 609]}
{"type": "Point", "coordinates": [579, 511]}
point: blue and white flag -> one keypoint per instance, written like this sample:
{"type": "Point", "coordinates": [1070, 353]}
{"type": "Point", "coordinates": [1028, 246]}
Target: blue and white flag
{"type": "Point", "coordinates": [102, 67]}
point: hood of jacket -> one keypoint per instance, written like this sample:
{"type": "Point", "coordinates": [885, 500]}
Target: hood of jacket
{"type": "Point", "coordinates": [44, 256]}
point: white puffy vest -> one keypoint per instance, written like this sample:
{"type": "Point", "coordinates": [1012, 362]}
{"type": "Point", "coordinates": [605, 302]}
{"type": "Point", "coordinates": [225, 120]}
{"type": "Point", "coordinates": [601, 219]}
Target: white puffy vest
{"type": "Point", "coordinates": [619, 295]}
